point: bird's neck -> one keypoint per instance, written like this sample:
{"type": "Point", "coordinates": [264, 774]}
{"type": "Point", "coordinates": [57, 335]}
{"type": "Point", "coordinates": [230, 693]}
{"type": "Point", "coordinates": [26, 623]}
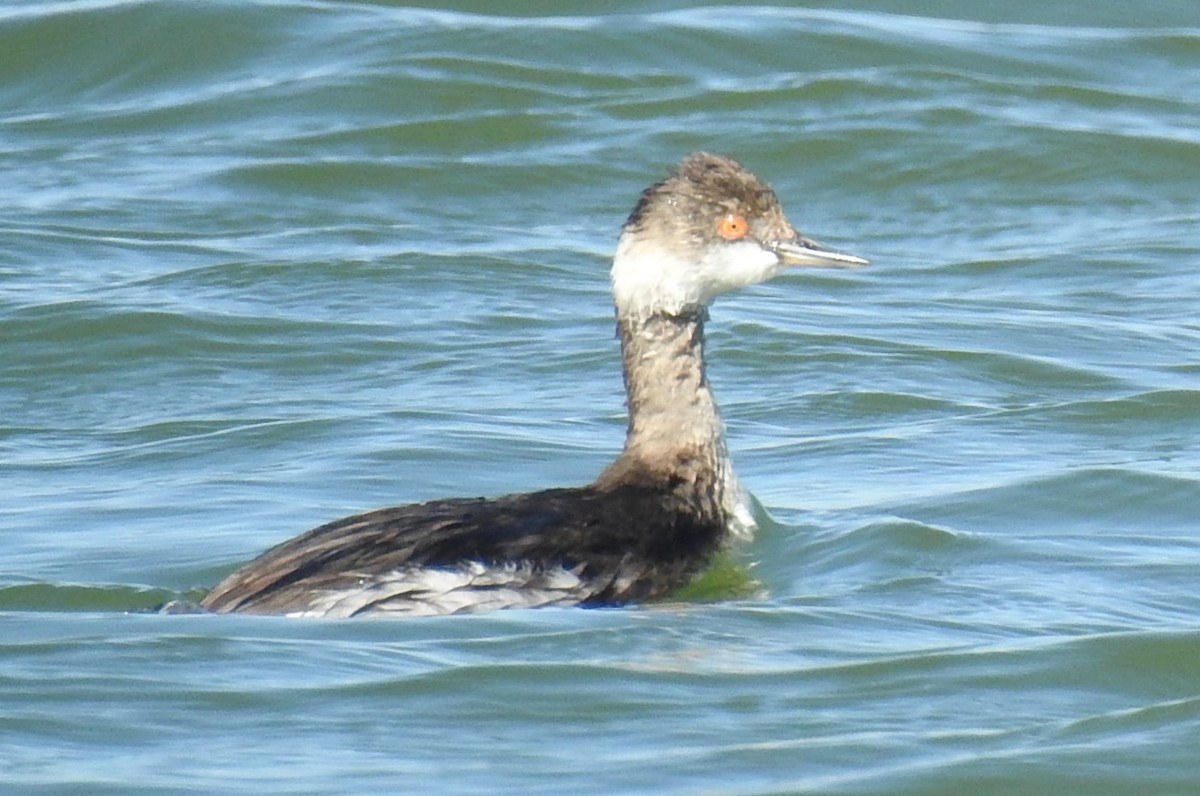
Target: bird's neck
{"type": "Point", "coordinates": [675, 435]}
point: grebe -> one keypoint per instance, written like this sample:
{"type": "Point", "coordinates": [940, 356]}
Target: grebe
{"type": "Point", "coordinates": [651, 520]}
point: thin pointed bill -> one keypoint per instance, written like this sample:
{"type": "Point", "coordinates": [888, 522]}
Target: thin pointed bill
{"type": "Point", "coordinates": [803, 251]}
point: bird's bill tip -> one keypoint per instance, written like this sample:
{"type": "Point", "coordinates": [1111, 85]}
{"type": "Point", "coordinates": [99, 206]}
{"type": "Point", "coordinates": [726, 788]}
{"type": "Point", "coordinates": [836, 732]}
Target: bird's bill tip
{"type": "Point", "coordinates": [806, 252]}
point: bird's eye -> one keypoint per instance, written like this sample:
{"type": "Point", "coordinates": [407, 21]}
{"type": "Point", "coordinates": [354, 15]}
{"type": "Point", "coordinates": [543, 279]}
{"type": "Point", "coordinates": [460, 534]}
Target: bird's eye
{"type": "Point", "coordinates": [733, 226]}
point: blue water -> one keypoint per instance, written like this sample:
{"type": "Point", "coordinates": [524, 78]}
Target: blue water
{"type": "Point", "coordinates": [266, 264]}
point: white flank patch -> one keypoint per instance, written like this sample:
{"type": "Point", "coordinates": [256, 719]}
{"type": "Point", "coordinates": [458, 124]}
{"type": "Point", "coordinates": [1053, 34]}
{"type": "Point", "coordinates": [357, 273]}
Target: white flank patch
{"type": "Point", "coordinates": [742, 525]}
{"type": "Point", "coordinates": [472, 586]}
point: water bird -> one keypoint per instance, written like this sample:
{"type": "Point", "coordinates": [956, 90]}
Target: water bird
{"type": "Point", "coordinates": [651, 521]}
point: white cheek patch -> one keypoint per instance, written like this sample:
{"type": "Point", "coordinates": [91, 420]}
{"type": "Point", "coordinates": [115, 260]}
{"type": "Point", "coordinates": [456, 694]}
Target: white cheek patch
{"type": "Point", "coordinates": [736, 265]}
{"type": "Point", "coordinates": [471, 586]}
{"type": "Point", "coordinates": [649, 278]}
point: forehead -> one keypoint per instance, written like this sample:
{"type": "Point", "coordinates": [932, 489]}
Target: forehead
{"type": "Point", "coordinates": [715, 186]}
{"type": "Point", "coordinates": [704, 188]}
{"type": "Point", "coordinates": [719, 181]}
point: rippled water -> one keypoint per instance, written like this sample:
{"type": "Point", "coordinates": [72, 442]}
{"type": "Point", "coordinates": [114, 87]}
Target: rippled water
{"type": "Point", "coordinates": [269, 263]}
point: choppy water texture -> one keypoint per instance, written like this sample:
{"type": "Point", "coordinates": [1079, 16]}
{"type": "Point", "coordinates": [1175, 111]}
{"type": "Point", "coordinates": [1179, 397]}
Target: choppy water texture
{"type": "Point", "coordinates": [268, 263]}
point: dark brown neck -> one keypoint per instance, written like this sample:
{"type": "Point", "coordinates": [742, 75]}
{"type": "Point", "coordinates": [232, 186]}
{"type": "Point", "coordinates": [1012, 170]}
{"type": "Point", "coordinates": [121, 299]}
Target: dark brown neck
{"type": "Point", "coordinates": [675, 435]}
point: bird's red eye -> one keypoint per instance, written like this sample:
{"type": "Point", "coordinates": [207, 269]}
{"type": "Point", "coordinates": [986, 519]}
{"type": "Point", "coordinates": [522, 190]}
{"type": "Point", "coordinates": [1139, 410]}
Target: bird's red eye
{"type": "Point", "coordinates": [733, 227]}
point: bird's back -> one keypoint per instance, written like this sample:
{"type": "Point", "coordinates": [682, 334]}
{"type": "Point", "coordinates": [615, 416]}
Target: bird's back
{"type": "Point", "coordinates": [584, 545]}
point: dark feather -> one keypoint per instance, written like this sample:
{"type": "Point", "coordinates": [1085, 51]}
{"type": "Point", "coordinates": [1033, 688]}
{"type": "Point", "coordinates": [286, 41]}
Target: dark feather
{"type": "Point", "coordinates": [626, 543]}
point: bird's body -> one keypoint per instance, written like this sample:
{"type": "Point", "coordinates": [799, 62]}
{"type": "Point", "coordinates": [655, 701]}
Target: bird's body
{"type": "Point", "coordinates": [650, 521]}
